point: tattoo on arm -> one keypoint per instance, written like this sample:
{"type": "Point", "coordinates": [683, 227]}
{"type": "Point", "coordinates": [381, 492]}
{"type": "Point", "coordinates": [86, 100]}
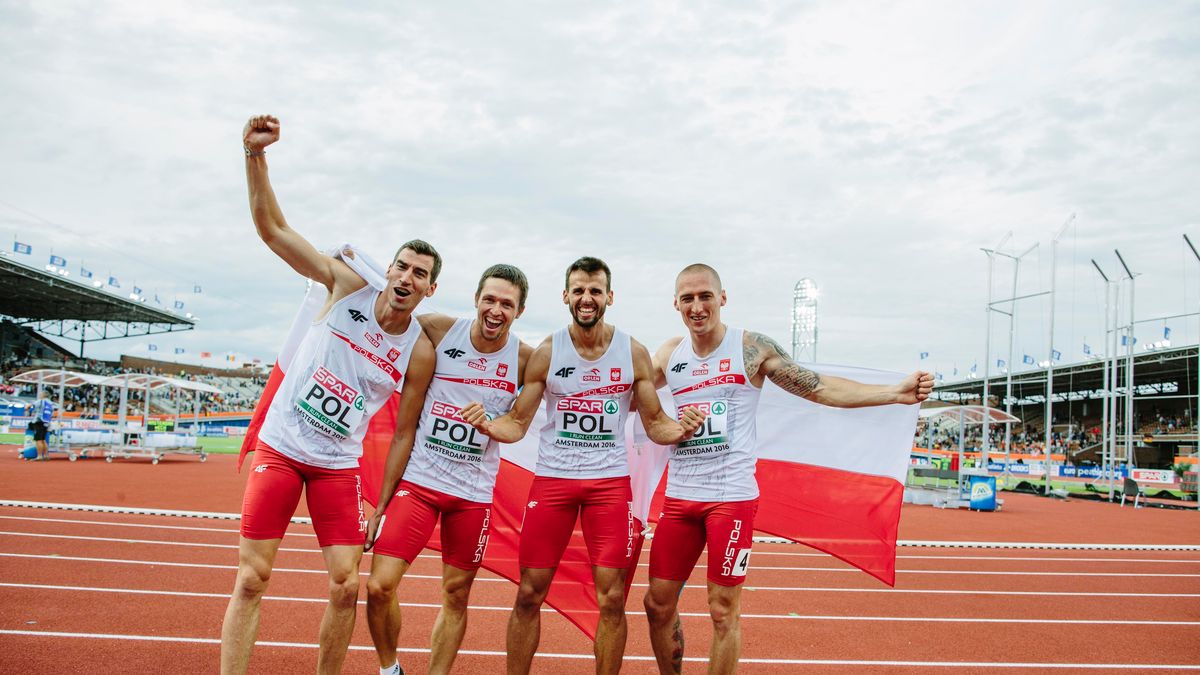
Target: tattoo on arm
{"type": "Point", "coordinates": [792, 377]}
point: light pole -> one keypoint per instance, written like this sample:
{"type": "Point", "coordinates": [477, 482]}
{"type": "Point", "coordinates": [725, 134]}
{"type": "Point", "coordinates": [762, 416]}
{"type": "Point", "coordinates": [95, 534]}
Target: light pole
{"type": "Point", "coordinates": [1196, 416]}
{"type": "Point", "coordinates": [804, 320]}
{"type": "Point", "coordinates": [1130, 460]}
{"type": "Point", "coordinates": [1105, 455]}
{"type": "Point", "coordinates": [1050, 350]}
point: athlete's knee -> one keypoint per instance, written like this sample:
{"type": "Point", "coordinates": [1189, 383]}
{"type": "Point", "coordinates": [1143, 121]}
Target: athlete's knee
{"type": "Point", "coordinates": [612, 602]}
{"type": "Point", "coordinates": [252, 578]}
{"type": "Point", "coordinates": [530, 597]}
{"type": "Point", "coordinates": [723, 611]}
{"type": "Point", "coordinates": [343, 587]}
{"type": "Point", "coordinates": [659, 612]}
{"type": "Point", "coordinates": [381, 589]}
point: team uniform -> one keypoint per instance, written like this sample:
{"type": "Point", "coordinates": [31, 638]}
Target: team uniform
{"type": "Point", "coordinates": [712, 494]}
{"type": "Point", "coordinates": [453, 466]}
{"type": "Point", "coordinates": [582, 468]}
{"type": "Point", "coordinates": [41, 420]}
{"type": "Point", "coordinates": [344, 370]}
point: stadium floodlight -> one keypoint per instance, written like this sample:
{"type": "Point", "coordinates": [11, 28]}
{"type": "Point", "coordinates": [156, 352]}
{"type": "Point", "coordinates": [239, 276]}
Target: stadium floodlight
{"type": "Point", "coordinates": [804, 320]}
{"type": "Point", "coordinates": [97, 284]}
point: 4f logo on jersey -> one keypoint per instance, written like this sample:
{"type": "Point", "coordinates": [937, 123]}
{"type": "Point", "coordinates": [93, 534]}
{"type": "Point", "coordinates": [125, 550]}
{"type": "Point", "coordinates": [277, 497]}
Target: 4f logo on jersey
{"type": "Point", "coordinates": [260, 468]}
{"type": "Point", "coordinates": [564, 372]}
{"type": "Point", "coordinates": [358, 316]}
{"type": "Point", "coordinates": [614, 375]}
{"type": "Point", "coordinates": [501, 370]}
{"type": "Point", "coordinates": [724, 365]}
{"type": "Point", "coordinates": [402, 493]}
{"type": "Point", "coordinates": [678, 367]}
{"type": "Point", "coordinates": [454, 353]}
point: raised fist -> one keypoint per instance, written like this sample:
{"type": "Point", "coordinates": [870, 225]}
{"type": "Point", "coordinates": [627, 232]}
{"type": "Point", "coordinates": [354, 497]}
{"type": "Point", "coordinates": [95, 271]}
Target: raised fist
{"type": "Point", "coordinates": [260, 131]}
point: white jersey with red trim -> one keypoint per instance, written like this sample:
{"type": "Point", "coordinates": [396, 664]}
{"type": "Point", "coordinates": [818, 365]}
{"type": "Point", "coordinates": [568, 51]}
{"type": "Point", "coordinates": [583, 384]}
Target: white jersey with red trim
{"type": "Point", "coordinates": [717, 463]}
{"type": "Point", "coordinates": [449, 455]}
{"type": "Point", "coordinates": [344, 370]}
{"type": "Point", "coordinates": [586, 406]}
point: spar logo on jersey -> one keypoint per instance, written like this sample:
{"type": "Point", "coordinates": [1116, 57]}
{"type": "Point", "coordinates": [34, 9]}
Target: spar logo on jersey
{"type": "Point", "coordinates": [701, 371]}
{"type": "Point", "coordinates": [678, 367]}
{"type": "Point", "coordinates": [450, 435]}
{"type": "Point", "coordinates": [393, 354]}
{"type": "Point", "coordinates": [614, 375]}
{"type": "Point", "coordinates": [331, 405]}
{"type": "Point", "coordinates": [587, 419]}
{"type": "Point", "coordinates": [725, 365]}
{"type": "Point", "coordinates": [375, 339]}
{"type": "Point", "coordinates": [502, 370]}
{"type": "Point", "coordinates": [592, 375]}
{"type": "Point", "coordinates": [479, 364]}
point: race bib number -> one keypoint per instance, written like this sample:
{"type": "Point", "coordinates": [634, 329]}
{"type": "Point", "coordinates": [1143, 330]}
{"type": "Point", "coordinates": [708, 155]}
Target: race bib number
{"type": "Point", "coordinates": [587, 422]}
{"type": "Point", "coordinates": [712, 436]}
{"type": "Point", "coordinates": [330, 405]}
{"type": "Point", "coordinates": [448, 435]}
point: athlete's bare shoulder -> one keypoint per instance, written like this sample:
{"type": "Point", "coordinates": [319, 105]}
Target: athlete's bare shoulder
{"type": "Point", "coordinates": [665, 349]}
{"type": "Point", "coordinates": [435, 326]}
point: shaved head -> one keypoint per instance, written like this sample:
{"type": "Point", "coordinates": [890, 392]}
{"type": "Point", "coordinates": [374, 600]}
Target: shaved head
{"type": "Point", "coordinates": [699, 267]}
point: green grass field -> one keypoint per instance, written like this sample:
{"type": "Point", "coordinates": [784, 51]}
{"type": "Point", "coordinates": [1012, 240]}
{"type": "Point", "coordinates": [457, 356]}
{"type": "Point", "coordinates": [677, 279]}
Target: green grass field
{"type": "Point", "coordinates": [218, 446]}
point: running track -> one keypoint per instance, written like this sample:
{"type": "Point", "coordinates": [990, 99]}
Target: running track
{"type": "Point", "coordinates": [92, 591]}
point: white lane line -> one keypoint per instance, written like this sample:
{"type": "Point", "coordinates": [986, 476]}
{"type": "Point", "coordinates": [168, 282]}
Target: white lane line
{"type": "Point", "coordinates": [152, 526]}
{"type": "Point", "coordinates": [206, 565]}
{"type": "Point", "coordinates": [632, 657]}
{"type": "Point", "coordinates": [917, 543]}
{"type": "Point", "coordinates": [699, 586]}
{"type": "Point", "coordinates": [698, 615]}
{"type": "Point", "coordinates": [850, 570]}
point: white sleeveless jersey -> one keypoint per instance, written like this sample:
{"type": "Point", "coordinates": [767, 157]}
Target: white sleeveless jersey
{"type": "Point", "coordinates": [717, 463]}
{"type": "Point", "coordinates": [344, 370]}
{"type": "Point", "coordinates": [449, 455]}
{"type": "Point", "coordinates": [586, 406]}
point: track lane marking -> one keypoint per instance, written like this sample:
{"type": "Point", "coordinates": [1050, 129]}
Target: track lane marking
{"type": "Point", "coordinates": [630, 657]}
{"type": "Point", "coordinates": [697, 615]}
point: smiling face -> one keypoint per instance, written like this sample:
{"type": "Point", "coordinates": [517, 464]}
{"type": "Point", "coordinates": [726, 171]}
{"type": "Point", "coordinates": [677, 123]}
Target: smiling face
{"type": "Point", "coordinates": [587, 296]}
{"type": "Point", "coordinates": [699, 299]}
{"type": "Point", "coordinates": [497, 305]}
{"type": "Point", "coordinates": [409, 280]}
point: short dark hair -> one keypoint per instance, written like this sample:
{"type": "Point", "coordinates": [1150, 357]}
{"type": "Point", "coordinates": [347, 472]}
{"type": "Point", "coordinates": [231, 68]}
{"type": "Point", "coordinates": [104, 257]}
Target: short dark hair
{"type": "Point", "coordinates": [508, 273]}
{"type": "Point", "coordinates": [700, 267]}
{"type": "Point", "coordinates": [590, 265]}
{"type": "Point", "coordinates": [422, 247]}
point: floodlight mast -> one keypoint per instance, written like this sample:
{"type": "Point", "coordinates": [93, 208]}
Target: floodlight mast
{"type": "Point", "coordinates": [1106, 438]}
{"type": "Point", "coordinates": [804, 320]}
{"type": "Point", "coordinates": [1130, 460]}
{"type": "Point", "coordinates": [1050, 351]}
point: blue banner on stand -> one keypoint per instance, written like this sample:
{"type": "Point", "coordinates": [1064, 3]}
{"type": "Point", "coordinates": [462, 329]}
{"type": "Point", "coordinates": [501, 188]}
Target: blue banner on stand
{"type": "Point", "coordinates": [983, 493]}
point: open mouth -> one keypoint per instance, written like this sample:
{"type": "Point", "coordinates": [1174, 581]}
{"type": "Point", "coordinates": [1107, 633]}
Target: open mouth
{"type": "Point", "coordinates": [492, 324]}
{"type": "Point", "coordinates": [400, 292]}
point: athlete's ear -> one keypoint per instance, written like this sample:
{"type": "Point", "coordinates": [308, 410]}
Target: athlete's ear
{"type": "Point", "coordinates": [565, 300]}
{"type": "Point", "coordinates": [675, 302]}
{"type": "Point", "coordinates": [610, 297]}
{"type": "Point", "coordinates": [431, 289]}
{"type": "Point", "coordinates": [520, 311]}
{"type": "Point", "coordinates": [723, 297]}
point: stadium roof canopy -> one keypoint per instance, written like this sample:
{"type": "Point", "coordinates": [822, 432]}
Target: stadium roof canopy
{"type": "Point", "coordinates": [57, 305]}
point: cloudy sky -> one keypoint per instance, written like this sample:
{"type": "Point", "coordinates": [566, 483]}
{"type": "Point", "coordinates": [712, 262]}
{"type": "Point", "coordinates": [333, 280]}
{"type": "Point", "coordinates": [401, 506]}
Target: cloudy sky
{"type": "Point", "coordinates": [874, 147]}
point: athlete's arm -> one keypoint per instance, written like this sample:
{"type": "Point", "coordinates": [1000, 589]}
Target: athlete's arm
{"type": "Point", "coordinates": [295, 250]}
{"type": "Point", "coordinates": [436, 326]}
{"type": "Point", "coordinates": [524, 352]}
{"type": "Point", "coordinates": [764, 358]}
{"type": "Point", "coordinates": [512, 427]}
{"type": "Point", "coordinates": [659, 426]}
{"type": "Point", "coordinates": [412, 400]}
{"type": "Point", "coordinates": [661, 357]}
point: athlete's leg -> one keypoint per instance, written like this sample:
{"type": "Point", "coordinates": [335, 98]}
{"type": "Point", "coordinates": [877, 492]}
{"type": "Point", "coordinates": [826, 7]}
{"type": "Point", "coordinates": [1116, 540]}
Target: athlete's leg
{"type": "Point", "coordinates": [335, 504]}
{"type": "Point", "coordinates": [337, 625]}
{"type": "Point", "coordinates": [545, 531]}
{"type": "Point", "coordinates": [525, 623]}
{"type": "Point", "coordinates": [612, 630]}
{"type": "Point", "coordinates": [383, 614]}
{"type": "Point", "coordinates": [608, 530]}
{"type": "Point", "coordinates": [724, 607]}
{"type": "Point", "coordinates": [465, 529]}
{"type": "Point", "coordinates": [678, 539]}
{"type": "Point", "coordinates": [451, 623]}
{"type": "Point", "coordinates": [272, 492]}
{"type": "Point", "coordinates": [239, 629]}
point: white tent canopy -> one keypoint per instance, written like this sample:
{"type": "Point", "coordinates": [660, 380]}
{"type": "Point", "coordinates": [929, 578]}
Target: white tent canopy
{"type": "Point", "coordinates": [970, 414]}
{"type": "Point", "coordinates": [56, 378]}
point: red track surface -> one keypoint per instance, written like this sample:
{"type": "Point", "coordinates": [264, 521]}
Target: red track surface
{"type": "Point", "coordinates": [158, 586]}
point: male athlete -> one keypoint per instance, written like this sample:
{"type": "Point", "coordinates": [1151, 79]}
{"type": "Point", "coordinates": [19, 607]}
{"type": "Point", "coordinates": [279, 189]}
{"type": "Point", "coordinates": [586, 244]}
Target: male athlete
{"type": "Point", "coordinates": [452, 469]}
{"type": "Point", "coordinates": [363, 345]}
{"type": "Point", "coordinates": [588, 371]}
{"type": "Point", "coordinates": [711, 488]}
